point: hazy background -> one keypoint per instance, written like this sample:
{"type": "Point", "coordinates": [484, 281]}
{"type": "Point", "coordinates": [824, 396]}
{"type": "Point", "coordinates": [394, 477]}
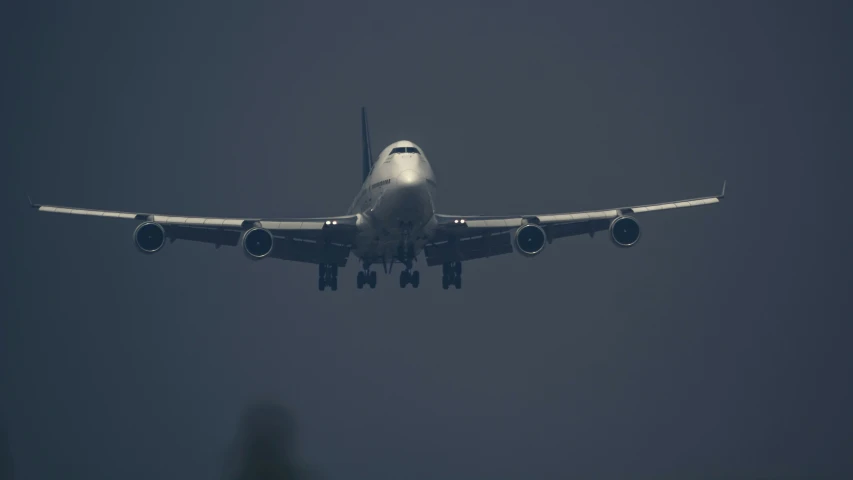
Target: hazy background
{"type": "Point", "coordinates": [719, 346]}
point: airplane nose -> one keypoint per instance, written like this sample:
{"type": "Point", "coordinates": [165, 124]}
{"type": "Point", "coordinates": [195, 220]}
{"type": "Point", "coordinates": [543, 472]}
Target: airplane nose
{"type": "Point", "coordinates": [409, 179]}
{"type": "Point", "coordinates": [407, 200]}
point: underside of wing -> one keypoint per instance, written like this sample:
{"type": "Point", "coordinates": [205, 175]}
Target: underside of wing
{"type": "Point", "coordinates": [468, 248]}
{"type": "Point", "coordinates": [460, 237]}
{"type": "Point", "coordinates": [312, 240]}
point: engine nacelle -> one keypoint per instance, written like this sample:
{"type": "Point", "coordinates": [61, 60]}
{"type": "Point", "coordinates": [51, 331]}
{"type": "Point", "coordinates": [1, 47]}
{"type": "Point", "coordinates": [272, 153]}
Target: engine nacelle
{"type": "Point", "coordinates": [257, 243]}
{"type": "Point", "coordinates": [530, 240]}
{"type": "Point", "coordinates": [149, 237]}
{"type": "Point", "coordinates": [624, 231]}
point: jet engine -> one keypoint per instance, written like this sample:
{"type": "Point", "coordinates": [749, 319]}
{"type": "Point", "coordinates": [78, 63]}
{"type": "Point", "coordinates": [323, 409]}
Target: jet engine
{"type": "Point", "coordinates": [530, 239]}
{"type": "Point", "coordinates": [149, 237]}
{"type": "Point", "coordinates": [257, 243]}
{"type": "Point", "coordinates": [624, 231]}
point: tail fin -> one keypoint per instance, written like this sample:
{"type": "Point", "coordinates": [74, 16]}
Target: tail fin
{"type": "Point", "coordinates": [366, 152]}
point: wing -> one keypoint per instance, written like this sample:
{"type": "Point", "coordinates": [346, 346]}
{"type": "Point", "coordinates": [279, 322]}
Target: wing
{"type": "Point", "coordinates": [460, 237]}
{"type": "Point", "coordinates": [311, 240]}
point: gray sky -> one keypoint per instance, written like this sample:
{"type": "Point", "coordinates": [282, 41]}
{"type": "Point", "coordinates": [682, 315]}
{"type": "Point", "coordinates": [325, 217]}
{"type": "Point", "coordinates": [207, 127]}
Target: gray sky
{"type": "Point", "coordinates": [718, 346]}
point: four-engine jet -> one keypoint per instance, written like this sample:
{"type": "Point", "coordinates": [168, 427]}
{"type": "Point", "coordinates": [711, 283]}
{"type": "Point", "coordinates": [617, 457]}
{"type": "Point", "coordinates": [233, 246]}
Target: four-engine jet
{"type": "Point", "coordinates": [392, 220]}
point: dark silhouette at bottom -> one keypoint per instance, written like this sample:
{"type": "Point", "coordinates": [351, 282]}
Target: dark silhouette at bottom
{"type": "Point", "coordinates": [265, 447]}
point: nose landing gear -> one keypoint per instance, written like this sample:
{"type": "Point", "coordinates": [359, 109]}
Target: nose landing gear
{"type": "Point", "coordinates": [366, 277]}
{"type": "Point", "coordinates": [409, 277]}
{"type": "Point", "coordinates": [451, 275]}
{"type": "Point", "coordinates": [406, 255]}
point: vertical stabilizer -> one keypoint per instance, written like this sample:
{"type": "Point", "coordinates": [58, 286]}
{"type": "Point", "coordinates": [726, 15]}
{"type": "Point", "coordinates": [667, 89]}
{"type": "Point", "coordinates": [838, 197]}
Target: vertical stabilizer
{"type": "Point", "coordinates": [366, 151]}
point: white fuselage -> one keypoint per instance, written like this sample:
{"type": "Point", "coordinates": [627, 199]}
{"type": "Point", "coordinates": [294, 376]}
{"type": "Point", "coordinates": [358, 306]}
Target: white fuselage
{"type": "Point", "coordinates": [395, 204]}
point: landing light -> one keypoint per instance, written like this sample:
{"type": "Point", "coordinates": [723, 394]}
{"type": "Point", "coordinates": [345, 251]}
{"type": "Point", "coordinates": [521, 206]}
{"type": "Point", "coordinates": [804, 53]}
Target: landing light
{"type": "Point", "coordinates": [328, 222]}
{"type": "Point", "coordinates": [456, 221]}
{"type": "Point", "coordinates": [334, 222]}
{"type": "Point", "coordinates": [462, 221]}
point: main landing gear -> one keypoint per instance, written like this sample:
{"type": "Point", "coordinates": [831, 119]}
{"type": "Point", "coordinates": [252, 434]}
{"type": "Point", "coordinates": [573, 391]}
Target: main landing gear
{"type": "Point", "coordinates": [366, 277]}
{"type": "Point", "coordinates": [451, 274]}
{"type": "Point", "coordinates": [328, 277]}
{"type": "Point", "coordinates": [409, 277]}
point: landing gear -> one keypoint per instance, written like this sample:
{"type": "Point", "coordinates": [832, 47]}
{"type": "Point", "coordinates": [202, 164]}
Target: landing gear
{"type": "Point", "coordinates": [408, 277]}
{"type": "Point", "coordinates": [451, 274]}
{"type": "Point", "coordinates": [406, 256]}
{"type": "Point", "coordinates": [366, 277]}
{"type": "Point", "coordinates": [328, 277]}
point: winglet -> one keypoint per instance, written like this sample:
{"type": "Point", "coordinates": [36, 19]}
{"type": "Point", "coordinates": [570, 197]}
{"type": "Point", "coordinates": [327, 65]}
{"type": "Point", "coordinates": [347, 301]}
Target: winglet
{"type": "Point", "coordinates": [33, 205]}
{"type": "Point", "coordinates": [723, 193]}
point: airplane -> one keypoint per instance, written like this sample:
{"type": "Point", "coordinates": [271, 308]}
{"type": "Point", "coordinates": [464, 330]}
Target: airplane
{"type": "Point", "coordinates": [391, 220]}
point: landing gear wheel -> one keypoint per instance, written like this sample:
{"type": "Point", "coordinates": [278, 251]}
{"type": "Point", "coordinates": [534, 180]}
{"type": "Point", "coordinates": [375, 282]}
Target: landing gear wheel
{"type": "Point", "coordinates": [416, 279]}
{"type": "Point", "coordinates": [372, 280]}
{"type": "Point", "coordinates": [328, 277]}
{"type": "Point", "coordinates": [451, 275]}
{"type": "Point", "coordinates": [360, 280]}
{"type": "Point", "coordinates": [404, 278]}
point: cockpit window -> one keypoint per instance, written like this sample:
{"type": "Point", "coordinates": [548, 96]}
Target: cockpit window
{"type": "Point", "coordinates": [404, 150]}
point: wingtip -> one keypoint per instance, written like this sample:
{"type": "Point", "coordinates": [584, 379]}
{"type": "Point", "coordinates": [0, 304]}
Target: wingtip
{"type": "Point", "coordinates": [723, 193]}
{"type": "Point", "coordinates": [30, 200]}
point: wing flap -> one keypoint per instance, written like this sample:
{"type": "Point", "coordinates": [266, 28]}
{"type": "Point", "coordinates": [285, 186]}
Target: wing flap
{"type": "Point", "coordinates": [309, 252]}
{"type": "Point", "coordinates": [213, 236]}
{"type": "Point", "coordinates": [588, 227]}
{"type": "Point", "coordinates": [482, 246]}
